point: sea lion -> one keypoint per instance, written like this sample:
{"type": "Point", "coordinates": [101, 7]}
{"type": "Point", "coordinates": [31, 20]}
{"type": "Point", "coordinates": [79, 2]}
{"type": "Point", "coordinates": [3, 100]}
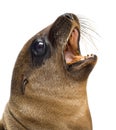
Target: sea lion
{"type": "Point", "coordinates": [48, 88]}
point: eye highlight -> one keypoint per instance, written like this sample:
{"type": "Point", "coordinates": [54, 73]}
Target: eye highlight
{"type": "Point", "coordinates": [38, 47]}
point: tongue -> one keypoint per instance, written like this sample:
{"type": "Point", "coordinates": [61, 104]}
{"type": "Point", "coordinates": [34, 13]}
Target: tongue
{"type": "Point", "coordinates": [70, 58]}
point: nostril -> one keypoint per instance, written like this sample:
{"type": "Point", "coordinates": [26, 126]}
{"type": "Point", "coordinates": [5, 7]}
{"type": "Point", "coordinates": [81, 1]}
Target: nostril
{"type": "Point", "coordinates": [69, 16]}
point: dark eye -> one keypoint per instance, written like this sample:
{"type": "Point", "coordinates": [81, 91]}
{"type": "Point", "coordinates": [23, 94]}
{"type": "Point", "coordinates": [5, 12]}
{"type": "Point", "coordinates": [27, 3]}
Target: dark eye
{"type": "Point", "coordinates": [38, 47]}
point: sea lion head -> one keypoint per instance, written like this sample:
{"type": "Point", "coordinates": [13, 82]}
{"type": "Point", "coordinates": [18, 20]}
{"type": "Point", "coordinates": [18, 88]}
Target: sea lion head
{"type": "Point", "coordinates": [52, 57]}
{"type": "Point", "coordinates": [48, 87]}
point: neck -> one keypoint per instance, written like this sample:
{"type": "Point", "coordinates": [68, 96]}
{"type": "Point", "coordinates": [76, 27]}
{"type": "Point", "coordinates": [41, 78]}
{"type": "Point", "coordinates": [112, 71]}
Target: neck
{"type": "Point", "coordinates": [66, 109]}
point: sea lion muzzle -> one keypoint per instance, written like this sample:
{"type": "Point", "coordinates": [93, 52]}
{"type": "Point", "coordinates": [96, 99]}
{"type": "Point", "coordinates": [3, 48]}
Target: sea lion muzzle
{"type": "Point", "coordinates": [73, 60]}
{"type": "Point", "coordinates": [48, 87]}
{"type": "Point", "coordinates": [64, 32]}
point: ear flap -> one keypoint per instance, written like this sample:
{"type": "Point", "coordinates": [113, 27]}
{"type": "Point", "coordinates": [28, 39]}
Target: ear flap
{"type": "Point", "coordinates": [24, 83]}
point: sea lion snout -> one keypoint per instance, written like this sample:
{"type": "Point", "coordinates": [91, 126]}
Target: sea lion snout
{"type": "Point", "coordinates": [65, 32]}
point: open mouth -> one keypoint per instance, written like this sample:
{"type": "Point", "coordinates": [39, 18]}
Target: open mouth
{"type": "Point", "coordinates": [71, 51]}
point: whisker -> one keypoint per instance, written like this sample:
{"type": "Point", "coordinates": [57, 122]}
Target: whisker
{"type": "Point", "coordinates": [88, 28]}
{"type": "Point", "coordinates": [89, 38]}
{"type": "Point", "coordinates": [88, 32]}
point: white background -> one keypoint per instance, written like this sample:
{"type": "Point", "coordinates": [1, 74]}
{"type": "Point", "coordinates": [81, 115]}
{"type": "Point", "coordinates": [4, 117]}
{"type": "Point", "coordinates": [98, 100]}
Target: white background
{"type": "Point", "coordinates": [20, 20]}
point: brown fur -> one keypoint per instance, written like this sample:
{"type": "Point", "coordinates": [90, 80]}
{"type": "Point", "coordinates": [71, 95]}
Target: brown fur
{"type": "Point", "coordinates": [47, 96]}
